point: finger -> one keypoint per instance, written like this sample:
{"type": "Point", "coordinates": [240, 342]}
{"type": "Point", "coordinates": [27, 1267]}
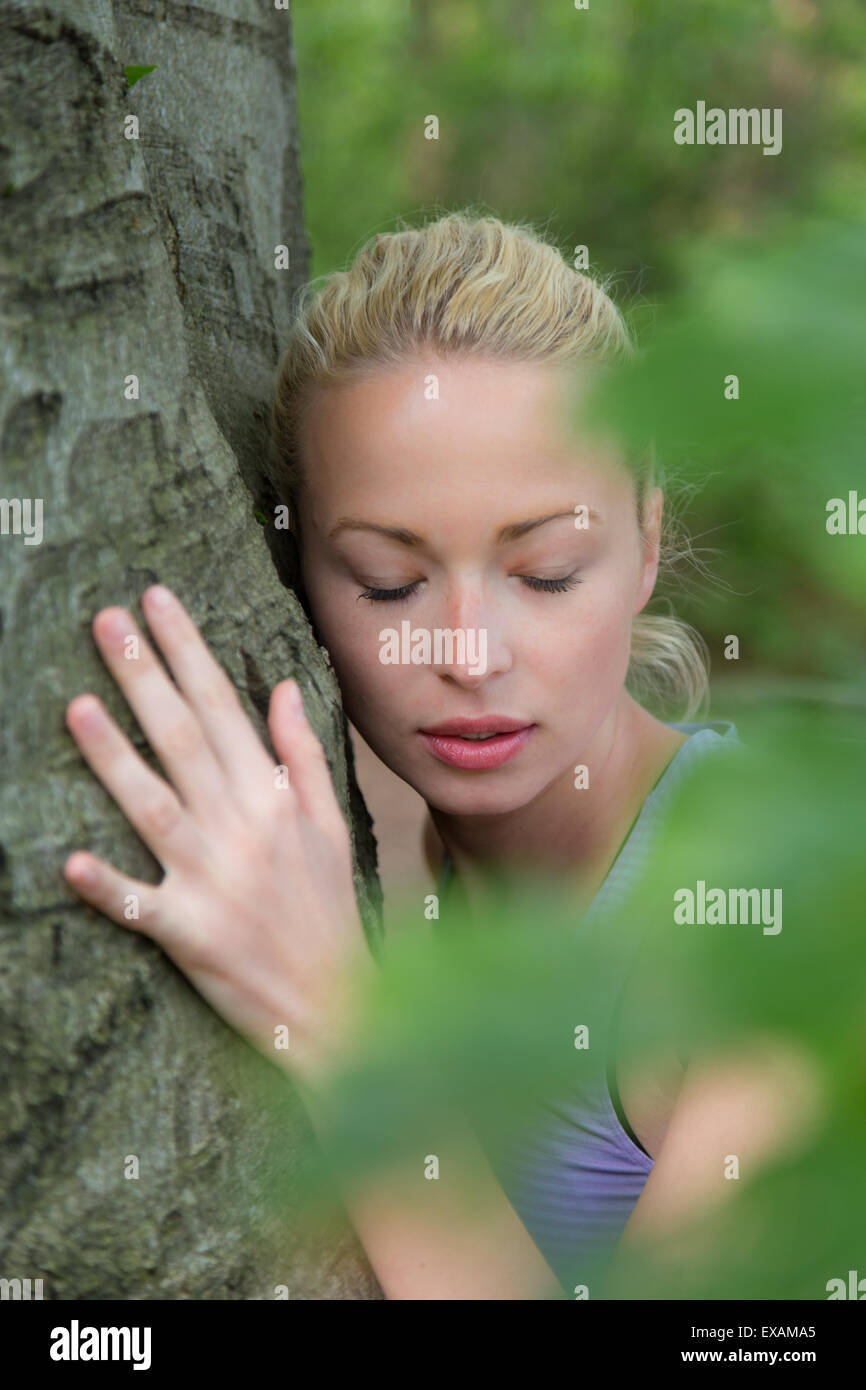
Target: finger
{"type": "Point", "coordinates": [297, 747]}
{"type": "Point", "coordinates": [125, 900]}
{"type": "Point", "coordinates": [148, 803]}
{"type": "Point", "coordinates": [206, 687]}
{"type": "Point", "coordinates": [171, 727]}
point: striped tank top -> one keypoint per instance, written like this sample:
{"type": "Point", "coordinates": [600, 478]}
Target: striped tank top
{"type": "Point", "coordinates": [577, 1171]}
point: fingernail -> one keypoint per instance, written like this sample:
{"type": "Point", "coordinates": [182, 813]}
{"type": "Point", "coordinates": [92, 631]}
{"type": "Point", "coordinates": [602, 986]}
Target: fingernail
{"type": "Point", "coordinates": [160, 596]}
{"type": "Point", "coordinates": [119, 624]}
{"type": "Point", "coordinates": [89, 713]}
{"type": "Point", "coordinates": [79, 870]}
{"type": "Point", "coordinates": [296, 702]}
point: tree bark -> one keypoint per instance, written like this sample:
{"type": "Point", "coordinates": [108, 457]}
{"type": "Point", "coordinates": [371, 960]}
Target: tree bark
{"type": "Point", "coordinates": [152, 257]}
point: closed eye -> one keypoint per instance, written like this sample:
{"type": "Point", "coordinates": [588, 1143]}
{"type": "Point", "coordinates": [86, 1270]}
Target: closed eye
{"type": "Point", "coordinates": [392, 595]}
{"type": "Point", "coordinates": [545, 586]}
{"type": "Point", "coordinates": [551, 586]}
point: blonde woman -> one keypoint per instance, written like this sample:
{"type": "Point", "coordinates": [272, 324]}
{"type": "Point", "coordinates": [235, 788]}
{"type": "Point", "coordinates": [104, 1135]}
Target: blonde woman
{"type": "Point", "coordinates": [422, 440]}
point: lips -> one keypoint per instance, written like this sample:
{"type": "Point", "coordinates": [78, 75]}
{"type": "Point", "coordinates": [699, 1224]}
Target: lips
{"type": "Point", "coordinates": [451, 742]}
{"type": "Point", "coordinates": [486, 724]}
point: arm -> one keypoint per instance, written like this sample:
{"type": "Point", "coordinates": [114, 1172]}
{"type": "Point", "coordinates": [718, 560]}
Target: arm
{"type": "Point", "coordinates": [749, 1105]}
{"type": "Point", "coordinates": [420, 1236]}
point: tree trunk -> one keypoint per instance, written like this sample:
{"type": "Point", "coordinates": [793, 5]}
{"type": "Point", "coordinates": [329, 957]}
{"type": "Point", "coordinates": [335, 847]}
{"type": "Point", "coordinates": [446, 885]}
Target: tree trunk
{"type": "Point", "coordinates": [154, 258]}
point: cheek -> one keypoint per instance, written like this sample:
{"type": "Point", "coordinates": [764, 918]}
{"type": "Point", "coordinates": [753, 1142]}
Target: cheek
{"type": "Point", "coordinates": [350, 632]}
{"type": "Point", "coordinates": [590, 645]}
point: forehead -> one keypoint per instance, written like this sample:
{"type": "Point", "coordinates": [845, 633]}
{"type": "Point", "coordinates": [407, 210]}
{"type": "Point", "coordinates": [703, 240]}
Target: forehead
{"type": "Point", "coordinates": [473, 433]}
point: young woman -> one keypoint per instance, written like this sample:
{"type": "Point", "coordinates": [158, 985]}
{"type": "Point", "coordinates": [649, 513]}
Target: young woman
{"type": "Point", "coordinates": [424, 441]}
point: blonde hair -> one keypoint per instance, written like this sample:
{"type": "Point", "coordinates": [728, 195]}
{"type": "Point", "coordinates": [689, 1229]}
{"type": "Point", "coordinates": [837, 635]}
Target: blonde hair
{"type": "Point", "coordinates": [473, 285]}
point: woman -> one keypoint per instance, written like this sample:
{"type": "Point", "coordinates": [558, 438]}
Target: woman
{"type": "Point", "coordinates": [423, 436]}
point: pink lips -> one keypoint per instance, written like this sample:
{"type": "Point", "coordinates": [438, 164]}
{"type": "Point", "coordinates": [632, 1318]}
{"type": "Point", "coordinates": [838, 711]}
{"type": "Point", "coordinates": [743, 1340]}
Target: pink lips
{"type": "Point", "coordinates": [448, 742]}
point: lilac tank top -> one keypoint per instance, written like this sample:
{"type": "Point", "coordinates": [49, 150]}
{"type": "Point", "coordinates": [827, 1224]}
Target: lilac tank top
{"type": "Point", "coordinates": [577, 1171]}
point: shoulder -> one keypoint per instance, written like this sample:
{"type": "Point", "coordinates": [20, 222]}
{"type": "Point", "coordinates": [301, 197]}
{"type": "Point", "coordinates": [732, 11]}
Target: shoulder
{"type": "Point", "coordinates": [708, 737]}
{"type": "Point", "coordinates": [701, 748]}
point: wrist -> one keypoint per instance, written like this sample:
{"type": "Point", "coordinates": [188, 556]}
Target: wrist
{"type": "Point", "coordinates": [330, 1039]}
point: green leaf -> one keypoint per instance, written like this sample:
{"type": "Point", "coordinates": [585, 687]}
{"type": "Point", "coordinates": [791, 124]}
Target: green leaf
{"type": "Point", "coordinates": [134, 74]}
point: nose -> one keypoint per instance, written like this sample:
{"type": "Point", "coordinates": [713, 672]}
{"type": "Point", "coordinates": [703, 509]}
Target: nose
{"type": "Point", "coordinates": [472, 645]}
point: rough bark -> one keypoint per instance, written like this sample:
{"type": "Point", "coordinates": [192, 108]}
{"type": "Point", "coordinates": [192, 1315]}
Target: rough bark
{"type": "Point", "coordinates": [153, 257]}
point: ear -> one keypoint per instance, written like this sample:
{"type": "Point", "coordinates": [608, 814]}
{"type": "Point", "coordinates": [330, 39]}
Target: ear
{"type": "Point", "coordinates": [651, 546]}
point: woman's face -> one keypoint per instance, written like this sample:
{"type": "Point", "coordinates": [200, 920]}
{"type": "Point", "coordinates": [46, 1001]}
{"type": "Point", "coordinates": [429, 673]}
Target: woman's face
{"type": "Point", "coordinates": [445, 500]}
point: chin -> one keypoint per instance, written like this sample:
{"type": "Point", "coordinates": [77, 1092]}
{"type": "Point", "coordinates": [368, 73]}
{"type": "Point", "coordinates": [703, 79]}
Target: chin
{"type": "Point", "coordinates": [447, 795]}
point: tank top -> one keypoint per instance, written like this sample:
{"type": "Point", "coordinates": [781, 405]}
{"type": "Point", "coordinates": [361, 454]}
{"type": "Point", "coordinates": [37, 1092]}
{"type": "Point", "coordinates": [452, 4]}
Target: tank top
{"type": "Point", "coordinates": [577, 1169]}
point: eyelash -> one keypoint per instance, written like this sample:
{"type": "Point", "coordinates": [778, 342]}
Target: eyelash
{"type": "Point", "coordinates": [544, 586]}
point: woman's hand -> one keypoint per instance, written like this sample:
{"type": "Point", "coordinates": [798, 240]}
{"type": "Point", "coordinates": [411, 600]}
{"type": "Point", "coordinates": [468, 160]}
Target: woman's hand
{"type": "Point", "coordinates": [257, 906]}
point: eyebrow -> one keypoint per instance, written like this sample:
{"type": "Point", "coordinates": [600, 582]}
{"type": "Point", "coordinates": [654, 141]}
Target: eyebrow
{"type": "Point", "coordinates": [512, 532]}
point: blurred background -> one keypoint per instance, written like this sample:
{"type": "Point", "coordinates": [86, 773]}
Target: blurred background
{"type": "Point", "coordinates": [725, 260]}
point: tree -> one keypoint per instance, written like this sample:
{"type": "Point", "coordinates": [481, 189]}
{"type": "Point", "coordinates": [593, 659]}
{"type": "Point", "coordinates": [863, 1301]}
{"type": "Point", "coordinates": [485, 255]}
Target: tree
{"type": "Point", "coordinates": [143, 309]}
